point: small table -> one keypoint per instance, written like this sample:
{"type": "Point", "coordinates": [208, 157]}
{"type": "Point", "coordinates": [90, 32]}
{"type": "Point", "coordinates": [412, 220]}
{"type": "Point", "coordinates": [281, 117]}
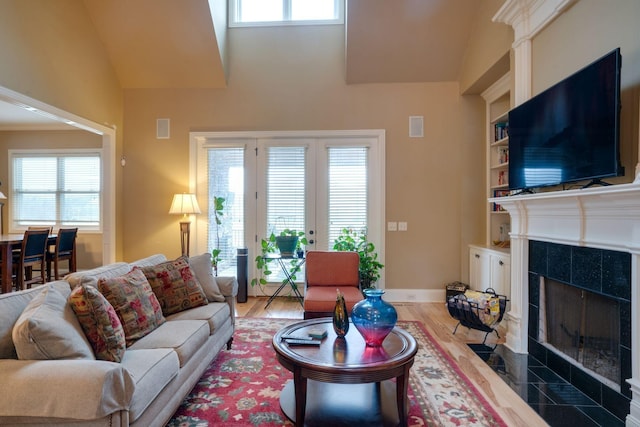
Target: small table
{"type": "Point", "coordinates": [342, 381]}
{"type": "Point", "coordinates": [288, 275]}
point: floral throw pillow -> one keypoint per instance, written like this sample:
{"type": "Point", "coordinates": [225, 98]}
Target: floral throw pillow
{"type": "Point", "coordinates": [175, 285]}
{"type": "Point", "coordinates": [99, 322]}
{"type": "Point", "coordinates": [134, 302]}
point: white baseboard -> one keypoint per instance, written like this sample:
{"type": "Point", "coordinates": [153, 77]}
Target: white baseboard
{"type": "Point", "coordinates": [390, 295]}
{"type": "Point", "coordinates": [414, 295]}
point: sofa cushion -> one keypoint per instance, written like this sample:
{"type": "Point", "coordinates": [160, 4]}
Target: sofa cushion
{"type": "Point", "coordinates": [215, 313]}
{"type": "Point", "coordinates": [151, 370]}
{"type": "Point", "coordinates": [175, 285]}
{"type": "Point", "coordinates": [135, 303]}
{"type": "Point", "coordinates": [48, 329]}
{"type": "Point", "coordinates": [91, 277]}
{"type": "Point", "coordinates": [99, 322]}
{"type": "Point", "coordinates": [201, 265]}
{"type": "Point", "coordinates": [149, 261]}
{"type": "Point", "coordinates": [12, 305]}
{"type": "Point", "coordinates": [185, 337]}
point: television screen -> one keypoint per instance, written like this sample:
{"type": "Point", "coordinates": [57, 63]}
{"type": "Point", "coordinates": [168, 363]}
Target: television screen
{"type": "Point", "coordinates": [569, 132]}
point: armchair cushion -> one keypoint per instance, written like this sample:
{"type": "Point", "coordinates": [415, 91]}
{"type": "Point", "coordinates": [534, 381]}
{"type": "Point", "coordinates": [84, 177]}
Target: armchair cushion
{"type": "Point", "coordinates": [335, 269]}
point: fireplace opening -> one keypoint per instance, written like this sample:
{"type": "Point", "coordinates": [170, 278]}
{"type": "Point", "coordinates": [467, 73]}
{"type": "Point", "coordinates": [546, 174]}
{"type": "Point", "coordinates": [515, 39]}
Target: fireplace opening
{"type": "Point", "coordinates": [583, 327]}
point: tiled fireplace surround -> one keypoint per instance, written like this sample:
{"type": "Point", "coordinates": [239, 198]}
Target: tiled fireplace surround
{"type": "Point", "coordinates": [549, 233]}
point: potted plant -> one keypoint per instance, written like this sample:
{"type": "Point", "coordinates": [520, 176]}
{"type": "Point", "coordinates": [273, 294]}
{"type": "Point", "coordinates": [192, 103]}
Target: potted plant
{"type": "Point", "coordinates": [369, 268]}
{"type": "Point", "coordinates": [271, 245]}
{"type": "Point", "coordinates": [288, 241]}
{"type": "Point", "coordinates": [218, 213]}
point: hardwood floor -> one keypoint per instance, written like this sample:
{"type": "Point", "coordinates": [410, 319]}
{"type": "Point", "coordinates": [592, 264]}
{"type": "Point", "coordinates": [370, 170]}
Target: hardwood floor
{"type": "Point", "coordinates": [513, 410]}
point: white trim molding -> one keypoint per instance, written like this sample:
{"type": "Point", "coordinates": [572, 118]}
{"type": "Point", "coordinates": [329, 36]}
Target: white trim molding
{"type": "Point", "coordinates": [528, 18]}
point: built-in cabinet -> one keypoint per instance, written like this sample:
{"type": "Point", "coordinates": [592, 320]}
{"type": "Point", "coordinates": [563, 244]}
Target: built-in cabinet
{"type": "Point", "coordinates": [498, 104]}
{"type": "Point", "coordinates": [490, 261]}
{"type": "Point", "coordinates": [489, 268]}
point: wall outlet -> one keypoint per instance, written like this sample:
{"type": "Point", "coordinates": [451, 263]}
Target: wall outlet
{"type": "Point", "coordinates": [402, 226]}
{"type": "Point", "coordinates": [392, 226]}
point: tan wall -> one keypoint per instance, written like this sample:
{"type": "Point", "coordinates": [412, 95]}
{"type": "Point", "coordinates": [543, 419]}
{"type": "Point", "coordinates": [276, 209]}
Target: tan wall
{"type": "Point", "coordinates": [584, 33]}
{"type": "Point", "coordinates": [276, 84]}
{"type": "Point", "coordinates": [89, 245]}
{"type": "Point", "coordinates": [487, 55]}
{"type": "Point", "coordinates": [51, 53]}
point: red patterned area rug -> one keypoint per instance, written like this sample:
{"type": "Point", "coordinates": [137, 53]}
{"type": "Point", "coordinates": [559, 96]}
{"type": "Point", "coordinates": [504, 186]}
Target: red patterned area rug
{"type": "Point", "coordinates": [242, 386]}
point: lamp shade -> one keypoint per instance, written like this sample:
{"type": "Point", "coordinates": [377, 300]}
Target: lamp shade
{"type": "Point", "coordinates": [2, 196]}
{"type": "Point", "coordinates": [184, 204]}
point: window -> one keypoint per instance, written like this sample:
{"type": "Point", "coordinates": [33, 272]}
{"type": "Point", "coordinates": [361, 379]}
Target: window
{"type": "Point", "coordinates": [59, 188]}
{"type": "Point", "coordinates": [285, 12]}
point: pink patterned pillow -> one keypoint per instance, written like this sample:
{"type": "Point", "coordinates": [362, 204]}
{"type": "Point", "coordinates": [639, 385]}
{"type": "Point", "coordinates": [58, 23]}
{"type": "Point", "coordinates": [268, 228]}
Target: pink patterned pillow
{"type": "Point", "coordinates": [134, 303]}
{"type": "Point", "coordinates": [175, 285]}
{"type": "Point", "coordinates": [99, 322]}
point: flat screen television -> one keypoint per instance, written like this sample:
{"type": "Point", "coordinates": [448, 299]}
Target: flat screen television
{"type": "Point", "coordinates": [571, 131]}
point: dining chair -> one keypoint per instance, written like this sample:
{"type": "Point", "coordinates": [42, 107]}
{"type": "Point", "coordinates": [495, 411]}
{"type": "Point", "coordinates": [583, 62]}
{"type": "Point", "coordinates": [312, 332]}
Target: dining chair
{"type": "Point", "coordinates": [63, 249]}
{"type": "Point", "coordinates": [32, 254]}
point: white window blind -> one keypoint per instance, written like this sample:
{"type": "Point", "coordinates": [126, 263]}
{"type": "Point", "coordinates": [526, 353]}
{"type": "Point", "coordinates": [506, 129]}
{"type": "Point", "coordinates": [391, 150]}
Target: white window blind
{"type": "Point", "coordinates": [347, 190]}
{"type": "Point", "coordinates": [58, 189]}
{"type": "Point", "coordinates": [225, 168]}
{"type": "Point", "coordinates": [285, 189]}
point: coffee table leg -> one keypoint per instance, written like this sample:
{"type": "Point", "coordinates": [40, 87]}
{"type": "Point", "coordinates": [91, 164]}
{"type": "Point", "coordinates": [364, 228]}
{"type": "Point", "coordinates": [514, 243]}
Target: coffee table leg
{"type": "Point", "coordinates": [300, 390]}
{"type": "Point", "coordinates": [402, 385]}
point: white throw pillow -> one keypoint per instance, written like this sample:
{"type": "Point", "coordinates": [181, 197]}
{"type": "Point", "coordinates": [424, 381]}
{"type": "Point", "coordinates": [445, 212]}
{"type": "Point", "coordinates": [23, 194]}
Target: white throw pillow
{"type": "Point", "coordinates": [201, 266]}
{"type": "Point", "coordinates": [48, 329]}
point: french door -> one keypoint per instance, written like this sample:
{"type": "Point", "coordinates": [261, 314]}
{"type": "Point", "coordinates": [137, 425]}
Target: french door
{"type": "Point", "coordinates": [316, 182]}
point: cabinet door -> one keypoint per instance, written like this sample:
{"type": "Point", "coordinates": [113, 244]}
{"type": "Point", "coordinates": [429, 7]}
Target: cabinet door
{"type": "Point", "coordinates": [479, 270]}
{"type": "Point", "coordinates": [501, 274]}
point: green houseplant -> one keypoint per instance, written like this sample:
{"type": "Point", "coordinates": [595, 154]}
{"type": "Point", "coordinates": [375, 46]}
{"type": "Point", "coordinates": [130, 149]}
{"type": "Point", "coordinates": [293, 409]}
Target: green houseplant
{"type": "Point", "coordinates": [356, 241]}
{"type": "Point", "coordinates": [270, 246]}
{"type": "Point", "coordinates": [218, 213]}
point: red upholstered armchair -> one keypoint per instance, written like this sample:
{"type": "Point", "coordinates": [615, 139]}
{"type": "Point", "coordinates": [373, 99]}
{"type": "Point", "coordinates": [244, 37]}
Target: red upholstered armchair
{"type": "Point", "coordinates": [325, 273]}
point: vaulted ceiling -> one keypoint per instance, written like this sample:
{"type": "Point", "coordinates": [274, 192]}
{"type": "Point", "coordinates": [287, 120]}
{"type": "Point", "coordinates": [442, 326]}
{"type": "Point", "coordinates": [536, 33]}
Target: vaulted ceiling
{"type": "Point", "coordinates": [171, 44]}
{"type": "Point", "coordinates": [182, 44]}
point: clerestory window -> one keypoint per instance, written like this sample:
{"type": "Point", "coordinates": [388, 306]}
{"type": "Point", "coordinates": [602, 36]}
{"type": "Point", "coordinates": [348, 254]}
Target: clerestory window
{"type": "Point", "coordinates": [245, 13]}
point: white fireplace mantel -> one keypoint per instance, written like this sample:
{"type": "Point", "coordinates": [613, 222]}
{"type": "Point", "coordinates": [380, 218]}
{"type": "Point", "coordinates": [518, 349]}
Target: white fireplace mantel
{"type": "Point", "coordinates": [599, 217]}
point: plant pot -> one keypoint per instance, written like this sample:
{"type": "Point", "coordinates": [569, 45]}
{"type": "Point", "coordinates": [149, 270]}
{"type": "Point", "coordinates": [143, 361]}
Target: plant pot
{"type": "Point", "coordinates": [287, 244]}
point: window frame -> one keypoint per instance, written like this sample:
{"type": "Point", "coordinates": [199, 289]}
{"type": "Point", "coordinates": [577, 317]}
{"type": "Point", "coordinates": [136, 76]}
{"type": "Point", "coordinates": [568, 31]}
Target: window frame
{"type": "Point", "coordinates": [234, 16]}
{"type": "Point", "coordinates": [55, 153]}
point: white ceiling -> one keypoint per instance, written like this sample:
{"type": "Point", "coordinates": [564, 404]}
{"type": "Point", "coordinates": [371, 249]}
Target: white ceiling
{"type": "Point", "coordinates": [13, 117]}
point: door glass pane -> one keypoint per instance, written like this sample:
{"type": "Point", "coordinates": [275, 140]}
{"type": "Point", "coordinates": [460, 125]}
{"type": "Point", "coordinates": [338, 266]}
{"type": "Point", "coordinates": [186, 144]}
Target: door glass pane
{"type": "Point", "coordinates": [226, 180]}
{"type": "Point", "coordinates": [347, 190]}
{"type": "Point", "coordinates": [285, 196]}
{"type": "Point", "coordinates": [285, 189]}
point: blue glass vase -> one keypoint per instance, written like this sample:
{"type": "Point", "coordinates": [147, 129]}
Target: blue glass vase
{"type": "Point", "coordinates": [373, 317]}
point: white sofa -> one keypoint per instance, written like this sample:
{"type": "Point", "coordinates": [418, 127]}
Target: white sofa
{"type": "Point", "coordinates": [156, 373]}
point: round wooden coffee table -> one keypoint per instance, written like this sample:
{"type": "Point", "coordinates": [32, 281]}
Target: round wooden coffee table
{"type": "Point", "coordinates": [342, 381]}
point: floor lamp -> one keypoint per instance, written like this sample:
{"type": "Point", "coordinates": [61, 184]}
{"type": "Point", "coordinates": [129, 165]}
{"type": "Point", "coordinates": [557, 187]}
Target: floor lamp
{"type": "Point", "coordinates": [185, 204]}
{"type": "Point", "coordinates": [2, 197]}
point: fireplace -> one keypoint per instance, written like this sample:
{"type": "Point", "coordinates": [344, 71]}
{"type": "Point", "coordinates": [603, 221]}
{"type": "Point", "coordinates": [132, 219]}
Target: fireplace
{"type": "Point", "coordinates": [588, 240]}
{"type": "Point", "coordinates": [579, 318]}
{"type": "Point", "coordinates": [584, 327]}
